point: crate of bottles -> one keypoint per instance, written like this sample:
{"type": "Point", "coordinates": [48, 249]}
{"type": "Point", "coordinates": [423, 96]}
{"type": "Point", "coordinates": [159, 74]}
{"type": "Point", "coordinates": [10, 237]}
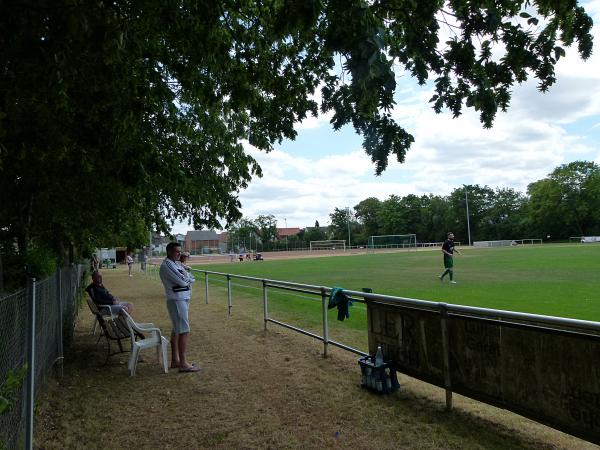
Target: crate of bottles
{"type": "Point", "coordinates": [378, 376]}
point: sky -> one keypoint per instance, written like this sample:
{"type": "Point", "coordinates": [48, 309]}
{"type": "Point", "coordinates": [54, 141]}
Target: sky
{"type": "Point", "coordinates": [304, 180]}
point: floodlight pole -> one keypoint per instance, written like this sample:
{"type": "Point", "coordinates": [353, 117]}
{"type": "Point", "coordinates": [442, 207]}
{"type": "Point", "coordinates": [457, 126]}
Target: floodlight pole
{"type": "Point", "coordinates": [286, 235]}
{"type": "Point", "coordinates": [468, 223]}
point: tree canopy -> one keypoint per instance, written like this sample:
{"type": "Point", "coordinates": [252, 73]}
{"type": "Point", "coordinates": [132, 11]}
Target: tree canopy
{"type": "Point", "coordinates": [117, 111]}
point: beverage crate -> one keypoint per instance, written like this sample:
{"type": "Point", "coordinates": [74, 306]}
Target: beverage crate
{"type": "Point", "coordinates": [381, 379]}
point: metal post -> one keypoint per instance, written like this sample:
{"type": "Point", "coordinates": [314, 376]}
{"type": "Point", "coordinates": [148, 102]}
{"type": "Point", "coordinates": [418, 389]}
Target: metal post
{"type": "Point", "coordinates": [325, 324]}
{"type": "Point", "coordinates": [30, 366]}
{"type": "Point", "coordinates": [206, 286]}
{"type": "Point", "coordinates": [349, 243]}
{"type": "Point", "coordinates": [228, 294]}
{"type": "Point", "coordinates": [468, 222]}
{"type": "Point", "coordinates": [265, 304]}
{"type": "Point", "coordinates": [60, 323]}
{"type": "Point", "coordinates": [446, 355]}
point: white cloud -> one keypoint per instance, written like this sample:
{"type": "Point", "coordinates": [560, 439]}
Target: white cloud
{"type": "Point", "coordinates": [312, 122]}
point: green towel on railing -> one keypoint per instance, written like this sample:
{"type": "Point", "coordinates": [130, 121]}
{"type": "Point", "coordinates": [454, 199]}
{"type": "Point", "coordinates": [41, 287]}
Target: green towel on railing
{"type": "Point", "coordinates": [341, 300]}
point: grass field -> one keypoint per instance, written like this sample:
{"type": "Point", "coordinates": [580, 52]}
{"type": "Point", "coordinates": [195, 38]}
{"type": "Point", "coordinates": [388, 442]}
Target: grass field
{"type": "Point", "coordinates": [556, 280]}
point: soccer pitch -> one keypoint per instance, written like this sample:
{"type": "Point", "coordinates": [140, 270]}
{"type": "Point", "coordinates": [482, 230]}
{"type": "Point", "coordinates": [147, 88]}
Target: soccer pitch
{"type": "Point", "coordinates": [556, 280]}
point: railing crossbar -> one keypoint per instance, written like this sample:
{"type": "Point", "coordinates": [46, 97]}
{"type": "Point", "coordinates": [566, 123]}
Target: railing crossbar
{"type": "Point", "coordinates": [299, 330]}
{"type": "Point", "coordinates": [286, 288]}
{"type": "Point", "coordinates": [348, 348]}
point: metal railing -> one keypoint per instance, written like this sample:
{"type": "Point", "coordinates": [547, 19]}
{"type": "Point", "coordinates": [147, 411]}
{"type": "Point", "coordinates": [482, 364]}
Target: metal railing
{"type": "Point", "coordinates": [320, 292]}
{"type": "Point", "coordinates": [35, 324]}
{"type": "Point", "coordinates": [441, 308]}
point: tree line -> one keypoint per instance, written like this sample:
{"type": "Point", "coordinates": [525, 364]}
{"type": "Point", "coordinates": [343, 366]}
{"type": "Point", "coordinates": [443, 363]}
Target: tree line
{"type": "Point", "coordinates": [564, 204]}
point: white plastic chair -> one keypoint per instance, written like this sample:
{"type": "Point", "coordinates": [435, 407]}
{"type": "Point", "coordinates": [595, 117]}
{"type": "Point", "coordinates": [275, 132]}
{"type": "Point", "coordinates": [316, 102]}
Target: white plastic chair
{"type": "Point", "coordinates": [154, 338]}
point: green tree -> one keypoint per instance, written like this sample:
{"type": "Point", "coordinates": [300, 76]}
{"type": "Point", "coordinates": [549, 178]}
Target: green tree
{"type": "Point", "coordinates": [391, 216]}
{"type": "Point", "coordinates": [506, 217]}
{"type": "Point", "coordinates": [436, 218]}
{"type": "Point", "coordinates": [566, 203]}
{"type": "Point", "coordinates": [412, 213]}
{"type": "Point", "coordinates": [366, 212]}
{"type": "Point", "coordinates": [138, 109]}
{"type": "Point", "coordinates": [243, 235]}
{"type": "Point", "coordinates": [266, 227]}
{"type": "Point", "coordinates": [339, 223]}
{"type": "Point", "coordinates": [314, 234]}
{"type": "Point", "coordinates": [480, 199]}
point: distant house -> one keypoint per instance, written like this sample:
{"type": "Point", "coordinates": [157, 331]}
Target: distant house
{"type": "Point", "coordinates": [159, 244]}
{"type": "Point", "coordinates": [282, 233]}
{"type": "Point", "coordinates": [201, 241]}
{"type": "Point", "coordinates": [180, 238]}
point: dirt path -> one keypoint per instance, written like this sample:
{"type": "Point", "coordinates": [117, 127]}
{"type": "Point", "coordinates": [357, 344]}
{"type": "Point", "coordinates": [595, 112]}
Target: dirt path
{"type": "Point", "coordinates": [293, 254]}
{"type": "Point", "coordinates": [255, 390]}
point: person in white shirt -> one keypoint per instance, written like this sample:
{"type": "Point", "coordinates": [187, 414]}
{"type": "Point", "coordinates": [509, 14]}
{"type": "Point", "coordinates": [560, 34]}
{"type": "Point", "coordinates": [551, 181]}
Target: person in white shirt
{"type": "Point", "coordinates": [129, 263]}
{"type": "Point", "coordinates": [177, 282]}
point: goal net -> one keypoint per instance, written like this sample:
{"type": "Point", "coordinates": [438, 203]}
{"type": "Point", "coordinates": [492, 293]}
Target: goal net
{"type": "Point", "coordinates": [328, 245]}
{"type": "Point", "coordinates": [408, 241]}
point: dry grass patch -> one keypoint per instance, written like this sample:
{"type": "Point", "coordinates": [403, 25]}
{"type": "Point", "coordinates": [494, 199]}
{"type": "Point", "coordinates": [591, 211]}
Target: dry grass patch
{"type": "Point", "coordinates": [255, 390]}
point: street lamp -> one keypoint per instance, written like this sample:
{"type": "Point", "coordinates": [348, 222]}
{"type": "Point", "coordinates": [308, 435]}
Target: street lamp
{"type": "Point", "coordinates": [468, 223]}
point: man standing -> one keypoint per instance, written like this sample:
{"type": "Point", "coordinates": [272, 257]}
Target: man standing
{"type": "Point", "coordinates": [448, 251]}
{"type": "Point", "coordinates": [177, 281]}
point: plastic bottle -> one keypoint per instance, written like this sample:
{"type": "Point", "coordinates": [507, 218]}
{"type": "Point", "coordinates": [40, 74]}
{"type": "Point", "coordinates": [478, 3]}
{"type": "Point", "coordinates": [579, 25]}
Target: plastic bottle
{"type": "Point", "coordinates": [368, 377]}
{"type": "Point", "coordinates": [379, 357]}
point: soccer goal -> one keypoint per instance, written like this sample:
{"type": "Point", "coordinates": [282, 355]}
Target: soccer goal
{"type": "Point", "coordinates": [330, 244]}
{"type": "Point", "coordinates": [408, 241]}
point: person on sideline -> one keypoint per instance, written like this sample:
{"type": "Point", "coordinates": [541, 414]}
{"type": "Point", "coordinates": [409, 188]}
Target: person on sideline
{"type": "Point", "coordinates": [129, 262]}
{"type": "Point", "coordinates": [448, 251]}
{"type": "Point", "coordinates": [183, 258]}
{"type": "Point", "coordinates": [177, 281]}
{"type": "Point", "coordinates": [101, 296]}
{"type": "Point", "coordinates": [95, 263]}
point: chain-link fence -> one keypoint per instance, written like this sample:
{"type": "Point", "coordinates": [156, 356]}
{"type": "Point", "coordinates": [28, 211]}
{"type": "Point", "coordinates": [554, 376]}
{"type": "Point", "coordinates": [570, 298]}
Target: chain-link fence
{"type": "Point", "coordinates": [55, 299]}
